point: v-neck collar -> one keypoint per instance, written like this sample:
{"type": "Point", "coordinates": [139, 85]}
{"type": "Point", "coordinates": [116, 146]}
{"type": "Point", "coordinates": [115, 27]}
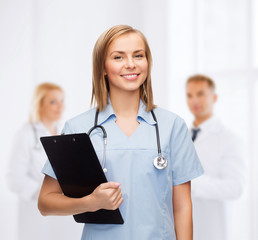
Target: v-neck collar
{"type": "Point", "coordinates": [108, 112]}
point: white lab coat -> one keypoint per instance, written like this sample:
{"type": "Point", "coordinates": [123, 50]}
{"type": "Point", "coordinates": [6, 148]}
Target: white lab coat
{"type": "Point", "coordinates": [24, 178]}
{"type": "Point", "coordinates": [223, 180]}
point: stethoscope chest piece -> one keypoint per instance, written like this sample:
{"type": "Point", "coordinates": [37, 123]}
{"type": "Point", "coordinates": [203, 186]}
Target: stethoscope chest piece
{"type": "Point", "coordinates": [160, 162]}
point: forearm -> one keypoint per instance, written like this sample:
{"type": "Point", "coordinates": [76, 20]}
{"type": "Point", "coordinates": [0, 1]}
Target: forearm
{"type": "Point", "coordinates": [182, 209]}
{"type": "Point", "coordinates": [184, 223]}
{"type": "Point", "coordinates": [52, 201]}
{"type": "Point", "coordinates": [59, 204]}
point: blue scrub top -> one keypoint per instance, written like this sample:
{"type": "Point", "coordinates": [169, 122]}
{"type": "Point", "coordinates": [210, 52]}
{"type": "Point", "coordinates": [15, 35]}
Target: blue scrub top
{"type": "Point", "coordinates": [147, 208]}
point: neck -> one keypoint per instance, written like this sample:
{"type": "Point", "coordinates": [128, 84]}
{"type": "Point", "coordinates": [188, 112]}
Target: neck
{"type": "Point", "coordinates": [50, 126]}
{"type": "Point", "coordinates": [200, 120]}
{"type": "Point", "coordinates": [125, 104]}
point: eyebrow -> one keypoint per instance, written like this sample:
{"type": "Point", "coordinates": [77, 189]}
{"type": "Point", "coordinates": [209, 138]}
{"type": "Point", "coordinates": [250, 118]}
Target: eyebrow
{"type": "Point", "coordinates": [122, 52]}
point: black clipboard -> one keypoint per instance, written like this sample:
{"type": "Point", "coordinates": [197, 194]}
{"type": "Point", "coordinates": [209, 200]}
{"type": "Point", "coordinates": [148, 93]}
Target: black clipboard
{"type": "Point", "coordinates": [78, 171]}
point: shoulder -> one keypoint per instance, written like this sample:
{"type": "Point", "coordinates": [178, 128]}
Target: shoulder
{"type": "Point", "coordinates": [170, 123]}
{"type": "Point", "coordinates": [222, 129]}
{"type": "Point", "coordinates": [224, 134]}
{"type": "Point", "coordinates": [81, 122]}
{"type": "Point", "coordinates": [25, 129]}
{"type": "Point", "coordinates": [24, 134]}
{"type": "Point", "coordinates": [166, 116]}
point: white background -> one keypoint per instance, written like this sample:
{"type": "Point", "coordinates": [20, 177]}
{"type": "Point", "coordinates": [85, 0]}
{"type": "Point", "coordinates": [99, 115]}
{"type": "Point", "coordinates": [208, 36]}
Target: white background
{"type": "Point", "coordinates": [52, 40]}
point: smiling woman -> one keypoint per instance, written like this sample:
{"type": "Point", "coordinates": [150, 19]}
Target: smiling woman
{"type": "Point", "coordinates": [127, 69]}
{"type": "Point", "coordinates": [102, 55]}
{"type": "Point", "coordinates": [155, 202]}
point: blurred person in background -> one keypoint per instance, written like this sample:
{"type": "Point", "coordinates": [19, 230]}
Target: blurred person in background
{"type": "Point", "coordinates": [27, 158]}
{"type": "Point", "coordinates": [218, 150]}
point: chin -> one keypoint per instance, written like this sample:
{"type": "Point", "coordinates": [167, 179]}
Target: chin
{"type": "Point", "coordinates": [56, 119]}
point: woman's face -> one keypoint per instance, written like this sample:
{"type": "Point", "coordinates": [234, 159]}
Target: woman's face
{"type": "Point", "coordinates": [52, 106]}
{"type": "Point", "coordinates": [126, 65]}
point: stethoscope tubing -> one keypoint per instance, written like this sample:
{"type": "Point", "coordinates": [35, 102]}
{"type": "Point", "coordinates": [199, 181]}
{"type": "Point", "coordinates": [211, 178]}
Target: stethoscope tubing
{"type": "Point", "coordinates": [104, 138]}
{"type": "Point", "coordinates": [159, 162]}
{"type": "Point", "coordinates": [157, 132]}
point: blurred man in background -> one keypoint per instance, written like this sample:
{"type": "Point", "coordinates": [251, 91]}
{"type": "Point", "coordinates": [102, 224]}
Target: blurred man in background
{"type": "Point", "coordinates": [218, 151]}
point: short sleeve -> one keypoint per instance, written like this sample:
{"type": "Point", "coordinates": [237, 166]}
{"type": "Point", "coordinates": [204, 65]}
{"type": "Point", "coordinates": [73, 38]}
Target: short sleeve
{"type": "Point", "coordinates": [47, 169]}
{"type": "Point", "coordinates": [185, 162]}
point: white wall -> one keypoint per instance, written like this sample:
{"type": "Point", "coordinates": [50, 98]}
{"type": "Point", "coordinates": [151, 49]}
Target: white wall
{"type": "Point", "coordinates": [16, 83]}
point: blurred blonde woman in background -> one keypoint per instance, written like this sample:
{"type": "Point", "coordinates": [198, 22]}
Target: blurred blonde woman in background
{"type": "Point", "coordinates": [26, 161]}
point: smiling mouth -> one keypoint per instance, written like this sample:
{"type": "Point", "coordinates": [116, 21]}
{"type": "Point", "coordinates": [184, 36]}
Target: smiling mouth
{"type": "Point", "coordinates": [130, 76]}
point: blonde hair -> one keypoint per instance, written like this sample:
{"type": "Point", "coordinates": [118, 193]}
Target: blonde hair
{"type": "Point", "coordinates": [39, 94]}
{"type": "Point", "coordinates": [202, 78]}
{"type": "Point", "coordinates": [100, 86]}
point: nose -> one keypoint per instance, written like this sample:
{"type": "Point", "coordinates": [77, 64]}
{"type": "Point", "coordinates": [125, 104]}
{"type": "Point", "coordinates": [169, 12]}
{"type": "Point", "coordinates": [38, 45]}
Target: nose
{"type": "Point", "coordinates": [130, 63]}
{"type": "Point", "coordinates": [60, 105]}
{"type": "Point", "coordinates": [195, 102]}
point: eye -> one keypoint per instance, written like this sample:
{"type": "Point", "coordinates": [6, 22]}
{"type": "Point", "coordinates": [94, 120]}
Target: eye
{"type": "Point", "coordinates": [118, 57]}
{"type": "Point", "coordinates": [53, 102]}
{"type": "Point", "coordinates": [139, 56]}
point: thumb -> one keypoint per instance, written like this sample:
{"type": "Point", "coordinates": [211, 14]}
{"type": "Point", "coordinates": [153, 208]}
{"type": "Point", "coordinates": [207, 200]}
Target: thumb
{"type": "Point", "coordinates": [110, 185]}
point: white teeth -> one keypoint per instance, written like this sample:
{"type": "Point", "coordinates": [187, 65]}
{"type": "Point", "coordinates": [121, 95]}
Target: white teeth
{"type": "Point", "coordinates": [130, 76]}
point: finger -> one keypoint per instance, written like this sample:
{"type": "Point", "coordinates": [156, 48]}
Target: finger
{"type": "Point", "coordinates": [119, 202]}
{"type": "Point", "coordinates": [117, 198]}
{"type": "Point", "coordinates": [112, 193]}
{"type": "Point", "coordinates": [110, 185]}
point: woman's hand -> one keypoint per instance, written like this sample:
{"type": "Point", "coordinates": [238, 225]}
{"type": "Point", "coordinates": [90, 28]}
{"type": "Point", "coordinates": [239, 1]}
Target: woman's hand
{"type": "Point", "coordinates": [106, 196]}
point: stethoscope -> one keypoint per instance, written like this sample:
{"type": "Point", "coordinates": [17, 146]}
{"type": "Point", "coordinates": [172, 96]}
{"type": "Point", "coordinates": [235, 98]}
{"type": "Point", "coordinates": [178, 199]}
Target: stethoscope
{"type": "Point", "coordinates": [159, 162]}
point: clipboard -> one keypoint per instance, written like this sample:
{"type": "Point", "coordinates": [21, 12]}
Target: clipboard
{"type": "Point", "coordinates": [78, 171]}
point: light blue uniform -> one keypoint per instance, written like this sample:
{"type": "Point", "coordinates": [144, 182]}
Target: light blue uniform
{"type": "Point", "coordinates": [147, 207]}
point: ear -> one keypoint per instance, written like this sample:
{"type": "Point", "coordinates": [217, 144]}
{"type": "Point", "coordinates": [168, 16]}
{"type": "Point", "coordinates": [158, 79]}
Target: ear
{"type": "Point", "coordinates": [105, 72]}
{"type": "Point", "coordinates": [215, 97]}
